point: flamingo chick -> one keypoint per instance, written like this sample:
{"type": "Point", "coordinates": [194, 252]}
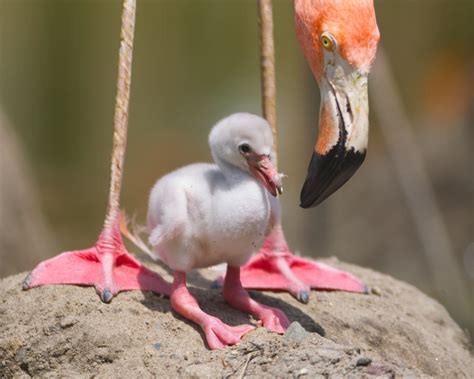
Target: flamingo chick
{"type": "Point", "coordinates": [204, 214]}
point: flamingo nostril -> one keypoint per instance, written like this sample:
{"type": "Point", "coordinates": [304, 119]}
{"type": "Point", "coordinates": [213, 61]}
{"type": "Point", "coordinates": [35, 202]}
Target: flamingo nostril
{"type": "Point", "coordinates": [349, 108]}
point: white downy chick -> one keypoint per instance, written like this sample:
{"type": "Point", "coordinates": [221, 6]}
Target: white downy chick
{"type": "Point", "coordinates": [205, 214]}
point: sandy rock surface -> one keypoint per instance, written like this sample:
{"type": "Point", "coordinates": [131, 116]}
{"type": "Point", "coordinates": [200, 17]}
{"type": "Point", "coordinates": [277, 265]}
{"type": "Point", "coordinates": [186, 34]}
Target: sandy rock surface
{"type": "Point", "coordinates": [65, 331]}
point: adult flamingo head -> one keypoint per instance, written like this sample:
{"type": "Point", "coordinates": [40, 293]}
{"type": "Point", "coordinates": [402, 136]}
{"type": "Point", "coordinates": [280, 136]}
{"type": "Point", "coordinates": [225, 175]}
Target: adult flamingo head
{"type": "Point", "coordinates": [339, 40]}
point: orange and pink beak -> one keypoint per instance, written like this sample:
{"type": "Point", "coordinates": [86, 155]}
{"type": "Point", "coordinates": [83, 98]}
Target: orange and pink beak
{"type": "Point", "coordinates": [262, 168]}
{"type": "Point", "coordinates": [343, 136]}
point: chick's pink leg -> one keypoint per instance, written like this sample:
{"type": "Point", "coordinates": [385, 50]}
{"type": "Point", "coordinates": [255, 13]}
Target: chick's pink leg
{"type": "Point", "coordinates": [107, 266]}
{"type": "Point", "coordinates": [271, 318]}
{"type": "Point", "coordinates": [218, 334]}
{"type": "Point", "coordinates": [275, 267]}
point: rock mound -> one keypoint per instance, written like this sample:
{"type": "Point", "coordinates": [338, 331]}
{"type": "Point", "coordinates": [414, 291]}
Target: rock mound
{"type": "Point", "coordinates": [65, 331]}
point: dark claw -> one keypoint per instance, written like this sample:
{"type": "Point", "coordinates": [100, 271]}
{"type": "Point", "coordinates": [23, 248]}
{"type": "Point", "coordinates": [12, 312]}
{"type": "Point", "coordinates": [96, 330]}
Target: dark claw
{"type": "Point", "coordinates": [27, 282]}
{"type": "Point", "coordinates": [106, 296]}
{"type": "Point", "coordinates": [216, 285]}
{"type": "Point", "coordinates": [303, 296]}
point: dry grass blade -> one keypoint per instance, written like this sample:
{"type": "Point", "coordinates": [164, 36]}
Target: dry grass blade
{"type": "Point", "coordinates": [134, 234]}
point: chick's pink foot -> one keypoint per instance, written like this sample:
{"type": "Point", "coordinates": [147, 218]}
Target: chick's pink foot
{"type": "Point", "coordinates": [271, 318]}
{"type": "Point", "coordinates": [107, 266]}
{"type": "Point", "coordinates": [218, 334]}
{"type": "Point", "coordinates": [274, 320]}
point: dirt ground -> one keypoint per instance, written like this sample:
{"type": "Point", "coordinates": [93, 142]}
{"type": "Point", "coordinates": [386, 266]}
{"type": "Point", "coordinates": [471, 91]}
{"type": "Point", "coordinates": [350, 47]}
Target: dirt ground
{"type": "Point", "coordinates": [65, 331]}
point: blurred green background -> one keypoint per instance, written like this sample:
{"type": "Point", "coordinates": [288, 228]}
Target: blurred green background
{"type": "Point", "coordinates": [196, 61]}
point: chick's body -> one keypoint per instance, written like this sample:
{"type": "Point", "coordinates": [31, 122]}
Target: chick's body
{"type": "Point", "coordinates": [204, 214]}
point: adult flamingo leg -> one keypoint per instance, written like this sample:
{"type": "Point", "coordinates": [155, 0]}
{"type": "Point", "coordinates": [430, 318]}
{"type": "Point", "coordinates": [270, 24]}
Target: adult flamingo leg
{"type": "Point", "coordinates": [341, 67]}
{"type": "Point", "coordinates": [218, 334]}
{"type": "Point", "coordinates": [107, 266]}
{"type": "Point", "coordinates": [275, 267]}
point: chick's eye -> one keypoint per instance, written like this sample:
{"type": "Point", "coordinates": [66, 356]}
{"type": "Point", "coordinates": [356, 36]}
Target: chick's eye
{"type": "Point", "coordinates": [245, 148]}
{"type": "Point", "coordinates": [327, 41]}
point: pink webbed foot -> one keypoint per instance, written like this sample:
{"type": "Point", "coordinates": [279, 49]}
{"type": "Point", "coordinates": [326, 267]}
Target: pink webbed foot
{"type": "Point", "coordinates": [296, 275]}
{"type": "Point", "coordinates": [218, 334]}
{"type": "Point", "coordinates": [274, 267]}
{"type": "Point", "coordinates": [107, 266]}
{"type": "Point", "coordinates": [271, 318]}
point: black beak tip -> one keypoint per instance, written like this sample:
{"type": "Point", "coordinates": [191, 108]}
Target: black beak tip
{"type": "Point", "coordinates": [327, 173]}
{"type": "Point", "coordinates": [309, 197]}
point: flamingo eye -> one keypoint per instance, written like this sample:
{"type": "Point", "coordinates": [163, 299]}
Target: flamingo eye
{"type": "Point", "coordinates": [245, 148]}
{"type": "Point", "coordinates": [327, 41]}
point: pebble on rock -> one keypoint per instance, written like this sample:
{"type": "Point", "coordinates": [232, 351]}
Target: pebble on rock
{"type": "Point", "coordinates": [157, 346]}
{"type": "Point", "coordinates": [295, 333]}
{"type": "Point", "coordinates": [363, 361]}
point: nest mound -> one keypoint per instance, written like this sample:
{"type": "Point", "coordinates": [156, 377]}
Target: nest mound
{"type": "Point", "coordinates": [65, 331]}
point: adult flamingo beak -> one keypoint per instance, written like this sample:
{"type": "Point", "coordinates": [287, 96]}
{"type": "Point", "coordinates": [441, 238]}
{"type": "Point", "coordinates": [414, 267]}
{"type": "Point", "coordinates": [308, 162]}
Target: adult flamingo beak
{"type": "Point", "coordinates": [262, 168]}
{"type": "Point", "coordinates": [343, 134]}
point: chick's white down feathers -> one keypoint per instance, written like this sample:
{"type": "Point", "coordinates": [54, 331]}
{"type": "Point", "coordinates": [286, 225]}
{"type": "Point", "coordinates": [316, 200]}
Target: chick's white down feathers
{"type": "Point", "coordinates": [204, 214]}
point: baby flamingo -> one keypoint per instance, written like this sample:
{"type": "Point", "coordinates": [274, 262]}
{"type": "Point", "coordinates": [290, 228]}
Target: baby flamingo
{"type": "Point", "coordinates": [204, 214]}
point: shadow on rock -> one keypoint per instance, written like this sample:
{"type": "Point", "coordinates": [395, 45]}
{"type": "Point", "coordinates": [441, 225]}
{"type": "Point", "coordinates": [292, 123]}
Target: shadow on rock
{"type": "Point", "coordinates": [155, 302]}
{"type": "Point", "coordinates": [212, 302]}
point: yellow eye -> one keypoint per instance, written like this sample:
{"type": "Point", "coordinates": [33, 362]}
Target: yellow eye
{"type": "Point", "coordinates": [327, 42]}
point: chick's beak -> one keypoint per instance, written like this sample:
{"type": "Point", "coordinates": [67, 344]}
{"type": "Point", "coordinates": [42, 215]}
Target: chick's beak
{"type": "Point", "coordinates": [342, 141]}
{"type": "Point", "coordinates": [264, 171]}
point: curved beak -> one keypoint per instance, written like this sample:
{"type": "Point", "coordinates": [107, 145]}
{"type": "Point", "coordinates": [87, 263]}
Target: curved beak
{"type": "Point", "coordinates": [343, 135]}
{"type": "Point", "coordinates": [264, 171]}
